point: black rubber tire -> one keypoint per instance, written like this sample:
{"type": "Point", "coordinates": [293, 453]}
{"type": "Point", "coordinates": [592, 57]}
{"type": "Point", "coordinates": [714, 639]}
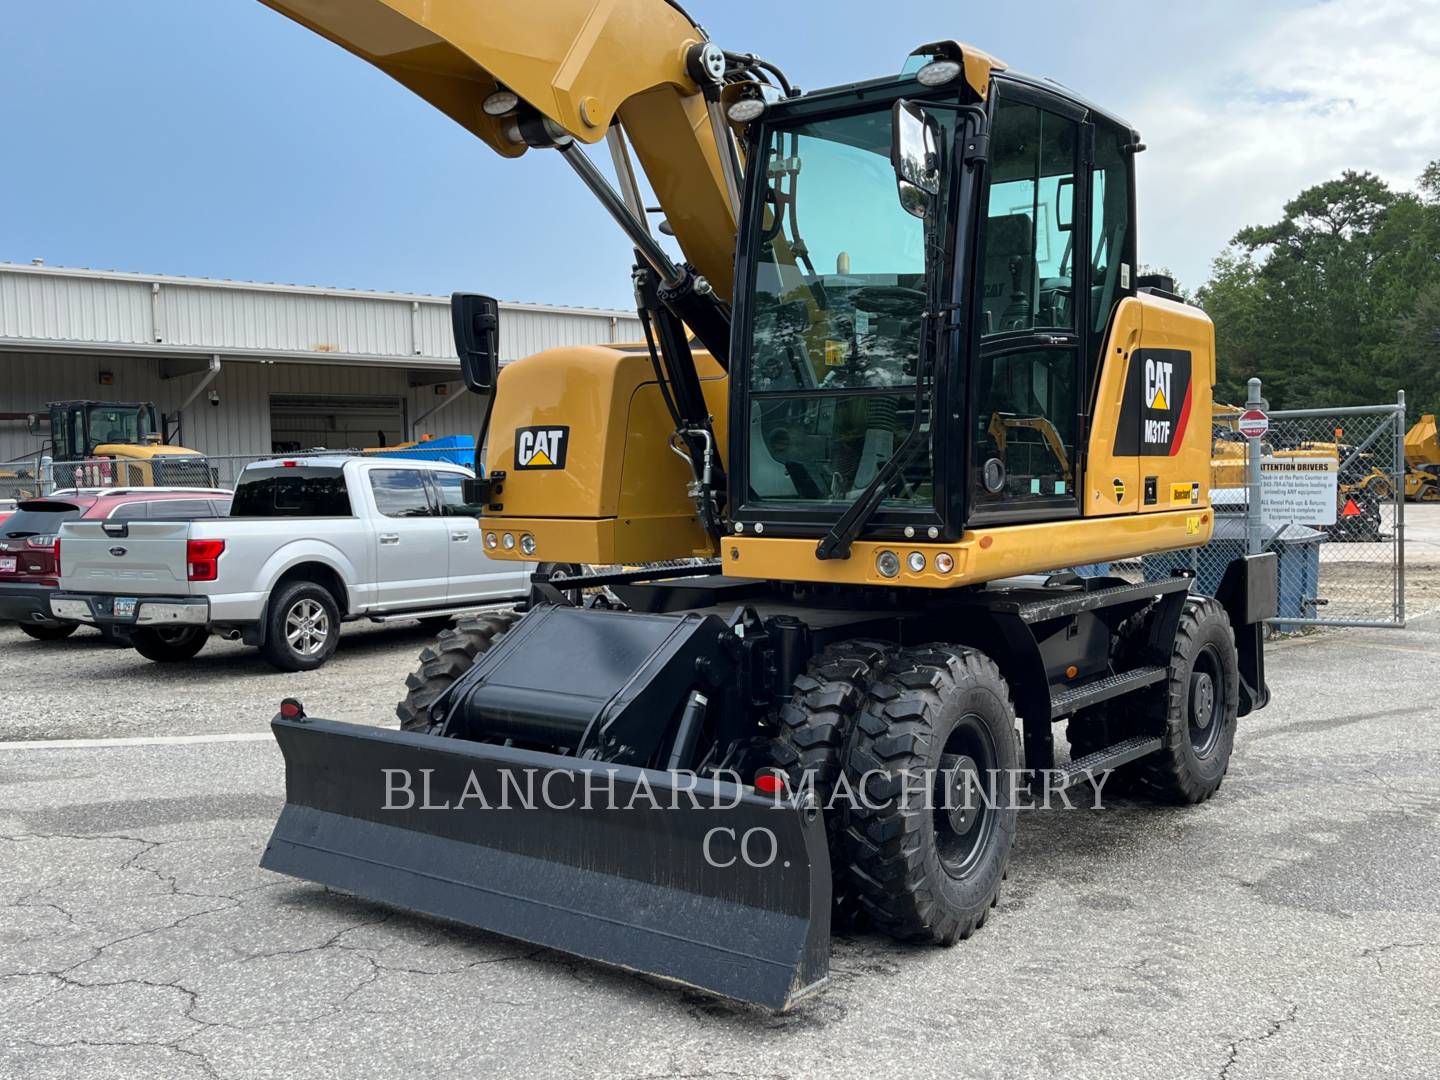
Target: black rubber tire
{"type": "Point", "coordinates": [170, 644]}
{"type": "Point", "coordinates": [278, 649]}
{"type": "Point", "coordinates": [814, 725]}
{"type": "Point", "coordinates": [451, 655]}
{"type": "Point", "coordinates": [1181, 772]}
{"type": "Point", "coordinates": [929, 695]}
{"type": "Point", "coordinates": [48, 631]}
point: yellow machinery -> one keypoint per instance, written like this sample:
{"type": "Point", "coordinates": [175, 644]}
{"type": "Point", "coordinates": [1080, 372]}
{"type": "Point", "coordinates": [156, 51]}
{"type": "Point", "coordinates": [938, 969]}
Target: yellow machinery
{"type": "Point", "coordinates": [109, 444]}
{"type": "Point", "coordinates": [1422, 461]}
{"type": "Point", "coordinates": [902, 375]}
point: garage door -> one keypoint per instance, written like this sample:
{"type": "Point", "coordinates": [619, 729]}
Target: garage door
{"type": "Point", "coordinates": [308, 422]}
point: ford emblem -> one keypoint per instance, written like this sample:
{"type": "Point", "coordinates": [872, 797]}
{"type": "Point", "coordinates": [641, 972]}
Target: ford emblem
{"type": "Point", "coordinates": [118, 551]}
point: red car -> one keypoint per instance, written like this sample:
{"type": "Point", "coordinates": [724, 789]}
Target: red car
{"type": "Point", "coordinates": [30, 553]}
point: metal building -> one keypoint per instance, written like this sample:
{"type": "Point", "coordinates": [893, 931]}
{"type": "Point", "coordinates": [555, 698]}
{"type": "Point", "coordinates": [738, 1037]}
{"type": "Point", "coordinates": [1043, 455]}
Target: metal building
{"type": "Point", "coordinates": [243, 368]}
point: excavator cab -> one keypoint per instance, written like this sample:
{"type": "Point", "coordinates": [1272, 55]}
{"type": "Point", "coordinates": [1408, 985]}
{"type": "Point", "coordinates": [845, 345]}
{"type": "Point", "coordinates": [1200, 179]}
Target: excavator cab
{"type": "Point", "coordinates": [946, 337]}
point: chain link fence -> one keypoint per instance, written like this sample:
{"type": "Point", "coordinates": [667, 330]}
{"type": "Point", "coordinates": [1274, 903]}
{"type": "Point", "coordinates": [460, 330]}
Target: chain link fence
{"type": "Point", "coordinates": [1330, 505]}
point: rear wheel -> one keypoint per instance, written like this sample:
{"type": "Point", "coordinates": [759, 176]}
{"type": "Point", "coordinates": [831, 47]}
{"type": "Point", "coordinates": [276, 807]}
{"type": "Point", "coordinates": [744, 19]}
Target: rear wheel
{"type": "Point", "coordinates": [169, 644]}
{"type": "Point", "coordinates": [49, 631]}
{"type": "Point", "coordinates": [1194, 710]}
{"type": "Point", "coordinates": [451, 655]}
{"type": "Point", "coordinates": [929, 760]}
{"type": "Point", "coordinates": [302, 627]}
{"type": "Point", "coordinates": [810, 748]}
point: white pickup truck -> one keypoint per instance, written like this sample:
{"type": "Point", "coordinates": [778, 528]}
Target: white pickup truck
{"type": "Point", "coordinates": [309, 543]}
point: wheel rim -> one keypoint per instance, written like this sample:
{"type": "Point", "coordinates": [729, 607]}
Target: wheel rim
{"type": "Point", "coordinates": [307, 626]}
{"type": "Point", "coordinates": [966, 807]}
{"type": "Point", "coordinates": [172, 635]}
{"type": "Point", "coordinates": [1203, 703]}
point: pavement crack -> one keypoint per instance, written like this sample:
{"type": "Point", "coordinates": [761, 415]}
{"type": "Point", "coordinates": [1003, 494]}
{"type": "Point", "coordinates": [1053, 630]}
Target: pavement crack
{"type": "Point", "coordinates": [332, 942]}
{"type": "Point", "coordinates": [1374, 952]}
{"type": "Point", "coordinates": [1272, 1028]}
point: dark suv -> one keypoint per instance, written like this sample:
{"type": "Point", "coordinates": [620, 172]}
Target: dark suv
{"type": "Point", "coordinates": [30, 551]}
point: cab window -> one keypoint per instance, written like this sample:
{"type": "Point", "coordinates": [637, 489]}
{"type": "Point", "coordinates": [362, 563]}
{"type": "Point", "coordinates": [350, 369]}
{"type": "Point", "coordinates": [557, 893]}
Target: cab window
{"type": "Point", "coordinates": [1030, 226]}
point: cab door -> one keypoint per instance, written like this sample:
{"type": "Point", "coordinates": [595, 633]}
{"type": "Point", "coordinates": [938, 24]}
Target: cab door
{"type": "Point", "coordinates": [411, 540]}
{"type": "Point", "coordinates": [1028, 369]}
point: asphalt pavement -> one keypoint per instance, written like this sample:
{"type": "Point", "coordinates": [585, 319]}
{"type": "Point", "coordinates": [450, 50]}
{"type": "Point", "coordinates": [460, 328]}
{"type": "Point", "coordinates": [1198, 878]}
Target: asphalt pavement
{"type": "Point", "coordinates": [1290, 927]}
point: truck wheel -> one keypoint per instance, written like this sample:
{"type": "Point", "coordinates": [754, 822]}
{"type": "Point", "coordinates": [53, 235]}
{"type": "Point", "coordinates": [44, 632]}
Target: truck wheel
{"type": "Point", "coordinates": [1194, 709]}
{"type": "Point", "coordinates": [49, 631]}
{"type": "Point", "coordinates": [302, 627]}
{"type": "Point", "coordinates": [927, 857]}
{"type": "Point", "coordinates": [452, 654]}
{"type": "Point", "coordinates": [810, 748]}
{"type": "Point", "coordinates": [169, 644]}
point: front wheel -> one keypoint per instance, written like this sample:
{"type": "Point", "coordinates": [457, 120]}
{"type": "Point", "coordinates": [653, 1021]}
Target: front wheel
{"type": "Point", "coordinates": [452, 654]}
{"type": "Point", "coordinates": [169, 644]}
{"type": "Point", "coordinates": [303, 627]}
{"type": "Point", "coordinates": [930, 761]}
{"type": "Point", "coordinates": [49, 631]}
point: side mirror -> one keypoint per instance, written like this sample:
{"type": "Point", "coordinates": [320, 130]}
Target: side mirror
{"type": "Point", "coordinates": [915, 152]}
{"type": "Point", "coordinates": [475, 322]}
{"type": "Point", "coordinates": [34, 423]}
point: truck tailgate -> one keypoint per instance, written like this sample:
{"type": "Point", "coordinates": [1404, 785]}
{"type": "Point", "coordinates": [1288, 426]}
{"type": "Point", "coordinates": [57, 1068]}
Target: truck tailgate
{"type": "Point", "coordinates": [144, 557]}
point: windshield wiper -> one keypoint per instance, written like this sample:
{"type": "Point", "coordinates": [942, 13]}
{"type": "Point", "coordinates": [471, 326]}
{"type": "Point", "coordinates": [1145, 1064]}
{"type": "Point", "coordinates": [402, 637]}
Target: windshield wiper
{"type": "Point", "coordinates": [835, 544]}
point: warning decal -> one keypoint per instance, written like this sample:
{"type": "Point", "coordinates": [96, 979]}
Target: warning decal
{"type": "Point", "coordinates": [541, 447]}
{"type": "Point", "coordinates": [1156, 407]}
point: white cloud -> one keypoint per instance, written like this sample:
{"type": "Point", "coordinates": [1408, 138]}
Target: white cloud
{"type": "Point", "coordinates": [1287, 101]}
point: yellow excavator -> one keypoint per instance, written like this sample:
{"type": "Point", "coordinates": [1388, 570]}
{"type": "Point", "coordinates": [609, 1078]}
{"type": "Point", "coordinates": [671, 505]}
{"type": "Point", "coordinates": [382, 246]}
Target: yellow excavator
{"type": "Point", "coordinates": [902, 374]}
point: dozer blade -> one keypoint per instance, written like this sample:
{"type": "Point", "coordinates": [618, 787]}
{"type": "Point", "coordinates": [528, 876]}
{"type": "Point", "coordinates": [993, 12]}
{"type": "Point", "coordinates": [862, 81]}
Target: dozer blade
{"type": "Point", "coordinates": [732, 899]}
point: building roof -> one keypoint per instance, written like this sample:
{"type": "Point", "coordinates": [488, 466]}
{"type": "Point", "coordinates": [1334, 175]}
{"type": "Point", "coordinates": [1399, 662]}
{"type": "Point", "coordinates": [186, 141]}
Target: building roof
{"type": "Point", "coordinates": [54, 308]}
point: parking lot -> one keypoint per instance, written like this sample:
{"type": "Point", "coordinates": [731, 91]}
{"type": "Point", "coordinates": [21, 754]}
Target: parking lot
{"type": "Point", "coordinates": [1289, 927]}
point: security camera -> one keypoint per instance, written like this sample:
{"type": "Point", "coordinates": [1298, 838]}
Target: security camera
{"type": "Point", "coordinates": [215, 399]}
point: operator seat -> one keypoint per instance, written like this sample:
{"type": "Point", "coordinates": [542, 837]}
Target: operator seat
{"type": "Point", "coordinates": [1009, 274]}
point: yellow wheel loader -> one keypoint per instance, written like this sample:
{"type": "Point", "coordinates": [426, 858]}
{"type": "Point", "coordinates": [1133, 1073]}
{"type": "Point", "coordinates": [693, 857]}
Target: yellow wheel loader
{"type": "Point", "coordinates": [903, 375]}
{"type": "Point", "coordinates": [107, 444]}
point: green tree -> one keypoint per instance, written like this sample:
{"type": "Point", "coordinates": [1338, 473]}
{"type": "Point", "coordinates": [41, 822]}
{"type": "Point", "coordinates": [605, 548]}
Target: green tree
{"type": "Point", "coordinates": [1325, 305]}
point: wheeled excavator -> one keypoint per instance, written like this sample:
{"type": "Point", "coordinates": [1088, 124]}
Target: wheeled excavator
{"type": "Point", "coordinates": [902, 374]}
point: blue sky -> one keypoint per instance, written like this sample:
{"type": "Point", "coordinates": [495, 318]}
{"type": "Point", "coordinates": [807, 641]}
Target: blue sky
{"type": "Point", "coordinates": [216, 138]}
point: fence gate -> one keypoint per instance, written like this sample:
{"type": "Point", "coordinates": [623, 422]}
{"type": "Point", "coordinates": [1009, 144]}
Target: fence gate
{"type": "Point", "coordinates": [1325, 490]}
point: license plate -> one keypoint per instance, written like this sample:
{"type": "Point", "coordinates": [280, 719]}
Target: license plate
{"type": "Point", "coordinates": [125, 607]}
{"type": "Point", "coordinates": [7, 564]}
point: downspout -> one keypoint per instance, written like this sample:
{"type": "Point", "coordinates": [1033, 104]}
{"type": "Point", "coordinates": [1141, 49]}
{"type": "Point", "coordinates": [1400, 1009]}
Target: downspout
{"type": "Point", "coordinates": [201, 385]}
{"type": "Point", "coordinates": [415, 424]}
